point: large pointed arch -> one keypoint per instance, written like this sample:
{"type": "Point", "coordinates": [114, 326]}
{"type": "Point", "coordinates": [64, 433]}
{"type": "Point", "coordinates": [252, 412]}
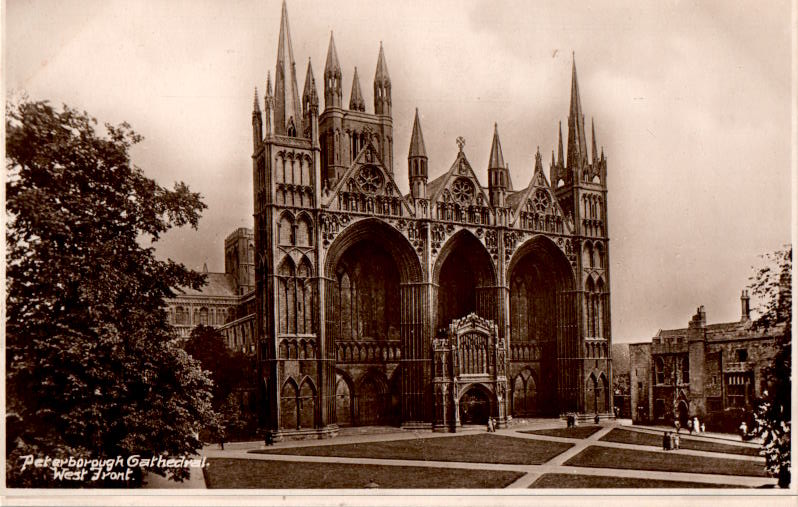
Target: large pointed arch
{"type": "Point", "coordinates": [465, 279]}
{"type": "Point", "coordinates": [544, 315]}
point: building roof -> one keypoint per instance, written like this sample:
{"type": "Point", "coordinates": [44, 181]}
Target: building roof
{"type": "Point", "coordinates": [217, 285]}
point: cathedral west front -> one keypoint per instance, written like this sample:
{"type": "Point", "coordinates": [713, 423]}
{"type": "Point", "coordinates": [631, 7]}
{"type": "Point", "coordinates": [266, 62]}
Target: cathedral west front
{"type": "Point", "coordinates": [438, 308]}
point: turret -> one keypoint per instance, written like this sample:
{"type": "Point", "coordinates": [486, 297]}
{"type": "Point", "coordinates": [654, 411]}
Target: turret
{"type": "Point", "coordinates": [269, 102]}
{"type": "Point", "coordinates": [417, 162]}
{"type": "Point", "coordinates": [356, 102]}
{"type": "Point", "coordinates": [382, 86]}
{"type": "Point", "coordinates": [332, 78]}
{"type": "Point", "coordinates": [498, 174]}
{"type": "Point", "coordinates": [745, 303]}
{"type": "Point", "coordinates": [310, 105]}
{"type": "Point", "coordinates": [257, 123]}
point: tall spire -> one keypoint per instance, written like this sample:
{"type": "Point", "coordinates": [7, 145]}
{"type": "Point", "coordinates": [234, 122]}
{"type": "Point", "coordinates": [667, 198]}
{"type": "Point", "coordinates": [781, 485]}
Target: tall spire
{"type": "Point", "coordinates": [356, 102]}
{"type": "Point", "coordinates": [310, 96]}
{"type": "Point", "coordinates": [417, 147]}
{"type": "Point", "coordinates": [268, 83]}
{"type": "Point", "coordinates": [560, 159]}
{"type": "Point", "coordinates": [287, 109]}
{"type": "Point", "coordinates": [382, 86]}
{"type": "Point", "coordinates": [255, 103]}
{"type": "Point", "coordinates": [332, 77]}
{"type": "Point", "coordinates": [594, 152]}
{"type": "Point", "coordinates": [577, 146]}
{"type": "Point", "coordinates": [496, 160]}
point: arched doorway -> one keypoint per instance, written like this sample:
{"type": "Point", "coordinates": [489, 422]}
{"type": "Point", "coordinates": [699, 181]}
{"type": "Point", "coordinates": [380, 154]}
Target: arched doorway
{"type": "Point", "coordinates": [465, 280]}
{"type": "Point", "coordinates": [475, 406]}
{"type": "Point", "coordinates": [543, 317]}
{"type": "Point", "coordinates": [374, 303]}
{"type": "Point", "coordinates": [682, 413]}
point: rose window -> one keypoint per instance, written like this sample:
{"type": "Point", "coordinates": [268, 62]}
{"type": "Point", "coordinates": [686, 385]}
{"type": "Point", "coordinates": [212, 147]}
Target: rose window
{"type": "Point", "coordinates": [369, 179]}
{"type": "Point", "coordinates": [541, 201]}
{"type": "Point", "coordinates": [462, 191]}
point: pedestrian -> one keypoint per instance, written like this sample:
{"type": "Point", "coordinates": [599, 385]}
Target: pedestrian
{"type": "Point", "coordinates": [269, 438]}
{"type": "Point", "coordinates": [703, 427]}
{"type": "Point", "coordinates": [676, 441]}
{"type": "Point", "coordinates": [666, 441]}
{"type": "Point", "coordinates": [696, 426]}
{"type": "Point", "coordinates": [677, 425]}
{"type": "Point", "coordinates": [743, 430]}
{"type": "Point", "coordinates": [596, 419]}
{"type": "Point", "coordinates": [690, 426]}
{"type": "Point", "coordinates": [490, 425]}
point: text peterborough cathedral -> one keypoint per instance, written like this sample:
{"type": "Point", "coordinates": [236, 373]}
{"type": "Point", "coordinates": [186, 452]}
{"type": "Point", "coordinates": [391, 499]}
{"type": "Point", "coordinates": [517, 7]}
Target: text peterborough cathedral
{"type": "Point", "coordinates": [443, 307]}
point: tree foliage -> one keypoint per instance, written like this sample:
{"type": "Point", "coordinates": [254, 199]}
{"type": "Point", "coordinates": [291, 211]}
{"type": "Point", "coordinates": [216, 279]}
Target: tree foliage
{"type": "Point", "coordinates": [772, 286]}
{"type": "Point", "coordinates": [93, 367]}
{"type": "Point", "coordinates": [230, 372]}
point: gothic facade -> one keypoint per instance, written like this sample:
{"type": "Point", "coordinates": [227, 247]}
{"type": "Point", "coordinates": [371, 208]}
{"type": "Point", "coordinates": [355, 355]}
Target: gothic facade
{"type": "Point", "coordinates": [445, 306]}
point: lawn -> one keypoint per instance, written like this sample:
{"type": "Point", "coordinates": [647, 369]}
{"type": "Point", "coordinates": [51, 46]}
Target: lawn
{"type": "Point", "coordinates": [638, 437]}
{"type": "Point", "coordinates": [602, 481]}
{"type": "Point", "coordinates": [229, 473]}
{"type": "Point", "coordinates": [480, 448]}
{"type": "Point", "coordinates": [608, 457]}
{"type": "Point", "coordinates": [578, 432]}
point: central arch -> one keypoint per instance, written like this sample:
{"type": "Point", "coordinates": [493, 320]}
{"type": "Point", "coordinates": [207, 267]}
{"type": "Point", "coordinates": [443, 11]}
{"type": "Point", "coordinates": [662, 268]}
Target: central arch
{"type": "Point", "coordinates": [475, 405]}
{"type": "Point", "coordinates": [465, 280]}
{"type": "Point", "coordinates": [543, 318]}
{"type": "Point", "coordinates": [373, 305]}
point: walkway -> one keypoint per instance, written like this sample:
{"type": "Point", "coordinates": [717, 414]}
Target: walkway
{"type": "Point", "coordinates": [531, 472]}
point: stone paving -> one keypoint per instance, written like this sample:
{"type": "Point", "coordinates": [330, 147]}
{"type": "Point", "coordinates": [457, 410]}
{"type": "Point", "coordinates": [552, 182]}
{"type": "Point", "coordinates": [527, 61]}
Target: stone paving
{"type": "Point", "coordinates": [531, 472]}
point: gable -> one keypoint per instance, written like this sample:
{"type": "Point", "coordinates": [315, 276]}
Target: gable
{"type": "Point", "coordinates": [368, 187]}
{"type": "Point", "coordinates": [460, 186]}
{"type": "Point", "coordinates": [537, 208]}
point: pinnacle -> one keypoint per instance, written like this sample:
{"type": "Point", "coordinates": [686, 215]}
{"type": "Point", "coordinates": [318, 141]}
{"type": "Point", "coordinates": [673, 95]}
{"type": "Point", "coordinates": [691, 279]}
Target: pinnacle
{"type": "Point", "coordinates": [255, 105]}
{"type": "Point", "coordinates": [332, 64]}
{"type": "Point", "coordinates": [356, 102]}
{"type": "Point", "coordinates": [496, 157]}
{"type": "Point", "coordinates": [381, 75]}
{"type": "Point", "coordinates": [417, 148]}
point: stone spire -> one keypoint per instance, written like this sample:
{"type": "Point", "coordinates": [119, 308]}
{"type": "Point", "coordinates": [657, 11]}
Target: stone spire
{"type": "Point", "coordinates": [417, 147]}
{"type": "Point", "coordinates": [577, 145]}
{"type": "Point", "coordinates": [560, 158]}
{"type": "Point", "coordinates": [417, 162]}
{"type": "Point", "coordinates": [257, 122]}
{"type": "Point", "coordinates": [382, 86]}
{"type": "Point", "coordinates": [356, 102]}
{"type": "Point", "coordinates": [496, 157]}
{"type": "Point", "coordinates": [332, 77]}
{"type": "Point", "coordinates": [310, 97]}
{"type": "Point", "coordinates": [594, 151]}
{"type": "Point", "coordinates": [498, 172]}
{"type": "Point", "coordinates": [287, 108]}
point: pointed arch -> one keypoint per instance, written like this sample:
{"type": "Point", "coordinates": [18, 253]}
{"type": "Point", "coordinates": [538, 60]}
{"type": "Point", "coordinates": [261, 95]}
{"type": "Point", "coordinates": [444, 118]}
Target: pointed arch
{"type": "Point", "coordinates": [306, 403]}
{"type": "Point", "coordinates": [343, 398]}
{"type": "Point", "coordinates": [285, 228]}
{"type": "Point", "coordinates": [288, 404]}
{"type": "Point", "coordinates": [304, 231]}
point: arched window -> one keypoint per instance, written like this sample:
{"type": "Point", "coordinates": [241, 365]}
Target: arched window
{"type": "Point", "coordinates": [203, 316]}
{"type": "Point", "coordinates": [659, 370]}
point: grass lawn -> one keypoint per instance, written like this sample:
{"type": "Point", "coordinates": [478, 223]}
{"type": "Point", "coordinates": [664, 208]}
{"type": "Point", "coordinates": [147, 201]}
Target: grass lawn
{"type": "Point", "coordinates": [479, 448]}
{"type": "Point", "coordinates": [641, 438]}
{"type": "Point", "coordinates": [608, 457]}
{"type": "Point", "coordinates": [579, 432]}
{"type": "Point", "coordinates": [251, 473]}
{"type": "Point", "coordinates": [602, 481]}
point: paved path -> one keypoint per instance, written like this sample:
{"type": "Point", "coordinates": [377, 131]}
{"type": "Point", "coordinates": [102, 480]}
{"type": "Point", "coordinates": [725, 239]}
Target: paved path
{"type": "Point", "coordinates": [531, 472]}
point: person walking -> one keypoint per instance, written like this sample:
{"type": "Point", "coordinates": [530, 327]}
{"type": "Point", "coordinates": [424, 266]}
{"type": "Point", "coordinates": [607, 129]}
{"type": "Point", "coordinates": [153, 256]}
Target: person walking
{"type": "Point", "coordinates": [666, 441]}
{"type": "Point", "coordinates": [690, 426]}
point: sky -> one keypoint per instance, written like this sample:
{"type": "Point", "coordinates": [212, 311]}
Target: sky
{"type": "Point", "coordinates": [691, 102]}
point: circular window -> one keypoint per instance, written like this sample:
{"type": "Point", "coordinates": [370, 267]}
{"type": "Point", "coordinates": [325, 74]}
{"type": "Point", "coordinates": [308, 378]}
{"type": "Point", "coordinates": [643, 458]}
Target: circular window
{"type": "Point", "coordinates": [541, 201]}
{"type": "Point", "coordinates": [370, 179]}
{"type": "Point", "coordinates": [462, 191]}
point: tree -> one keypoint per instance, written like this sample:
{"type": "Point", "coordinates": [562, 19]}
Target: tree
{"type": "Point", "coordinates": [93, 367]}
{"type": "Point", "coordinates": [771, 285]}
{"type": "Point", "coordinates": [229, 371]}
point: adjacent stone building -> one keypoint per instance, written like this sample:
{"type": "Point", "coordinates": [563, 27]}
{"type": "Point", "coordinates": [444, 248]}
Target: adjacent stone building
{"type": "Point", "coordinates": [359, 288]}
{"type": "Point", "coordinates": [701, 369]}
{"type": "Point", "coordinates": [226, 301]}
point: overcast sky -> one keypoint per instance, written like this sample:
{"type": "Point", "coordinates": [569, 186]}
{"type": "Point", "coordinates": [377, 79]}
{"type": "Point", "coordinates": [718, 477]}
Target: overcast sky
{"type": "Point", "coordinates": [691, 102]}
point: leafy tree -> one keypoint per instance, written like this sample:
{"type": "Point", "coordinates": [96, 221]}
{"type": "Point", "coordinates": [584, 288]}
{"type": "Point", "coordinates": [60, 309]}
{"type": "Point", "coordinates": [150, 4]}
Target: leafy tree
{"type": "Point", "coordinates": [227, 369]}
{"type": "Point", "coordinates": [93, 367]}
{"type": "Point", "coordinates": [772, 285]}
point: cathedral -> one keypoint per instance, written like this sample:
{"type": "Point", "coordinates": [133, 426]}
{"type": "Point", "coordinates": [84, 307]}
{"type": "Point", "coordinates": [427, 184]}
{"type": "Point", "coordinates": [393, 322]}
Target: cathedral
{"type": "Point", "coordinates": [443, 307]}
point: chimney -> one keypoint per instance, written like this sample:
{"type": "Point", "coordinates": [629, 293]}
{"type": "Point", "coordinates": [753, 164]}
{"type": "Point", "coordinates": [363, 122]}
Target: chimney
{"type": "Point", "coordinates": [745, 303]}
